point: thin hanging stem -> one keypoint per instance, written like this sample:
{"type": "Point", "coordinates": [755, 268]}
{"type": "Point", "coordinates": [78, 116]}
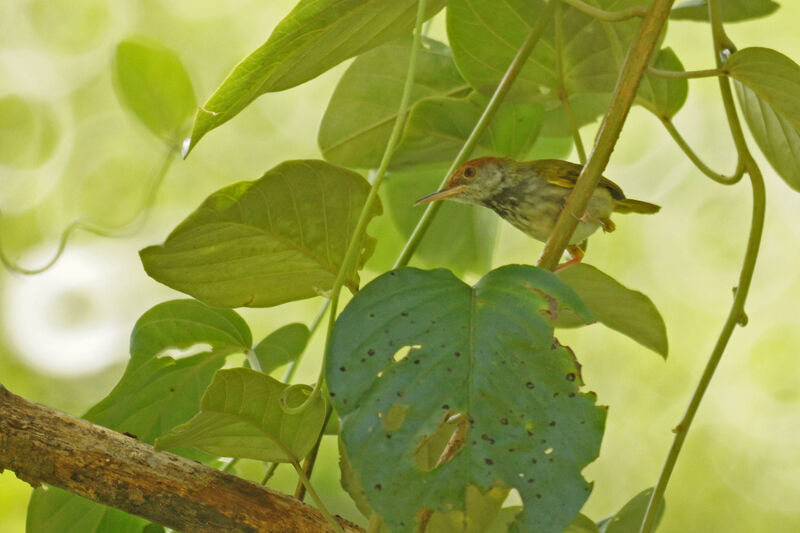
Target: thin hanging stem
{"type": "Point", "coordinates": [354, 246]}
{"type": "Point", "coordinates": [607, 16]}
{"type": "Point", "coordinates": [562, 91]}
{"type": "Point", "coordinates": [311, 459]}
{"type": "Point", "coordinates": [736, 315]}
{"type": "Point", "coordinates": [269, 473]}
{"type": "Point", "coordinates": [111, 231]}
{"type": "Point", "coordinates": [483, 122]}
{"type": "Point", "coordinates": [693, 157]}
{"type": "Point", "coordinates": [292, 368]}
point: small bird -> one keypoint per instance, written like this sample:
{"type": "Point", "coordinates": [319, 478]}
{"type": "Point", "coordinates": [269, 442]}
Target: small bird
{"type": "Point", "coordinates": [531, 194]}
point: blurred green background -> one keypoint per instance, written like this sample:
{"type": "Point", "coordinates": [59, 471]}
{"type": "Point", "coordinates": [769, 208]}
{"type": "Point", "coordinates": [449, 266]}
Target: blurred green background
{"type": "Point", "coordinates": [67, 150]}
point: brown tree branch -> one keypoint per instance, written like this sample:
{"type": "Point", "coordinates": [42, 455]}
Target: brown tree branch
{"type": "Point", "coordinates": [42, 445]}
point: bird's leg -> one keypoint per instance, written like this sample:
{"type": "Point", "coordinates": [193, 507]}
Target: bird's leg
{"type": "Point", "coordinates": [604, 222]}
{"type": "Point", "coordinates": [576, 253]}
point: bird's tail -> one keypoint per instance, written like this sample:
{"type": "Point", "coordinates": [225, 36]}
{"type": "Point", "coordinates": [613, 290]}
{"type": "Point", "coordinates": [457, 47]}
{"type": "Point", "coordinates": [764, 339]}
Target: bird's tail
{"type": "Point", "coordinates": [636, 206]}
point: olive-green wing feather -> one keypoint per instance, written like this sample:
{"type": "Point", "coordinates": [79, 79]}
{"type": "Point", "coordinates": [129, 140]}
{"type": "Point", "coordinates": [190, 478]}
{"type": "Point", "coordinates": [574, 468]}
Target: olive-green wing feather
{"type": "Point", "coordinates": [565, 174]}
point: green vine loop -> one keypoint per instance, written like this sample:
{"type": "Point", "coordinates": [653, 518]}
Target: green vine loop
{"type": "Point", "coordinates": [607, 16]}
{"type": "Point", "coordinates": [737, 313]}
{"type": "Point", "coordinates": [690, 75]}
{"type": "Point", "coordinates": [483, 122]}
{"type": "Point", "coordinates": [361, 225]}
{"type": "Point", "coordinates": [562, 91]}
{"type": "Point", "coordinates": [621, 101]}
{"type": "Point", "coordinates": [693, 157]}
{"type": "Point", "coordinates": [123, 229]}
{"type": "Point", "coordinates": [284, 400]}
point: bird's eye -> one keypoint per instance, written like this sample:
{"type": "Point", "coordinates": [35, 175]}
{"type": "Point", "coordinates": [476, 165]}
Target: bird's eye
{"type": "Point", "coordinates": [469, 172]}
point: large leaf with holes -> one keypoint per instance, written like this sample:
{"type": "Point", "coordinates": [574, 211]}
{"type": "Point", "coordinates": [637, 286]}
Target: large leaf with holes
{"type": "Point", "coordinates": [663, 96]}
{"type": "Point", "coordinates": [616, 306]}
{"type": "Point", "coordinates": [462, 237]}
{"type": "Point", "coordinates": [768, 86]}
{"type": "Point", "coordinates": [438, 127]}
{"type": "Point", "coordinates": [485, 35]}
{"type": "Point", "coordinates": [241, 416]}
{"type": "Point", "coordinates": [732, 10]}
{"type": "Point", "coordinates": [155, 394]}
{"type": "Point", "coordinates": [261, 243]}
{"type": "Point", "coordinates": [315, 36]}
{"type": "Point", "coordinates": [629, 518]}
{"type": "Point", "coordinates": [363, 108]}
{"type": "Point", "coordinates": [153, 84]}
{"type": "Point", "coordinates": [416, 351]}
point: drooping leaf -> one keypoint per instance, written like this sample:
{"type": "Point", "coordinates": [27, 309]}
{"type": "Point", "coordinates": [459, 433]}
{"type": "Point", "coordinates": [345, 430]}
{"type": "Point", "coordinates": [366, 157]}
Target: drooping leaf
{"type": "Point", "coordinates": [152, 83]}
{"type": "Point", "coordinates": [241, 416]}
{"type": "Point", "coordinates": [664, 97]}
{"type": "Point", "coordinates": [768, 87]}
{"type": "Point", "coordinates": [438, 127]}
{"type": "Point", "coordinates": [485, 35]}
{"type": "Point", "coordinates": [282, 346]}
{"type": "Point", "coordinates": [462, 237]}
{"type": "Point", "coordinates": [732, 10]}
{"type": "Point", "coordinates": [262, 243]}
{"type": "Point", "coordinates": [618, 307]}
{"type": "Point", "coordinates": [155, 394]}
{"type": "Point", "coordinates": [629, 518]}
{"type": "Point", "coordinates": [315, 36]}
{"type": "Point", "coordinates": [363, 108]}
{"type": "Point", "coordinates": [415, 348]}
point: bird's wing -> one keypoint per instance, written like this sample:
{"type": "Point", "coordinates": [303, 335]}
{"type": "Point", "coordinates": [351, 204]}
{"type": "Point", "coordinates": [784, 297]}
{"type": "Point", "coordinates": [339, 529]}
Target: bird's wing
{"type": "Point", "coordinates": [565, 174]}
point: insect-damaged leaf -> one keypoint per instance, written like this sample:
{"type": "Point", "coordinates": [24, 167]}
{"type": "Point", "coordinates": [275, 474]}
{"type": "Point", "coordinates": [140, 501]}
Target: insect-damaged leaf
{"type": "Point", "coordinates": [425, 344]}
{"type": "Point", "coordinates": [262, 243]}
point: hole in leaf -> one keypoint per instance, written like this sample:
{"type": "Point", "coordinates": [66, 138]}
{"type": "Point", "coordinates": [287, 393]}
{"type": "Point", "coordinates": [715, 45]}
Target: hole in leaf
{"type": "Point", "coordinates": [403, 352]}
{"type": "Point", "coordinates": [180, 353]}
{"type": "Point", "coordinates": [443, 445]}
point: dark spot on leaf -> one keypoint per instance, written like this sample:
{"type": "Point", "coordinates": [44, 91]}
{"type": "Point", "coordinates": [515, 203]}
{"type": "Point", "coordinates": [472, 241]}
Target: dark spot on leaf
{"type": "Point", "coordinates": [544, 440]}
{"type": "Point", "coordinates": [530, 433]}
{"type": "Point", "coordinates": [571, 394]}
{"type": "Point", "coordinates": [530, 480]}
{"type": "Point", "coordinates": [441, 346]}
{"type": "Point", "coordinates": [171, 389]}
{"type": "Point", "coordinates": [504, 421]}
{"type": "Point", "coordinates": [555, 395]}
{"type": "Point", "coordinates": [570, 377]}
{"type": "Point", "coordinates": [534, 461]}
{"type": "Point", "coordinates": [457, 354]}
{"type": "Point", "coordinates": [342, 369]}
{"type": "Point", "coordinates": [530, 385]}
{"type": "Point", "coordinates": [416, 361]}
{"type": "Point", "coordinates": [386, 331]}
{"type": "Point", "coordinates": [370, 352]}
{"type": "Point", "coordinates": [489, 462]}
{"type": "Point", "coordinates": [399, 394]}
{"type": "Point", "coordinates": [372, 315]}
{"type": "Point", "coordinates": [474, 442]}
{"type": "Point", "coordinates": [550, 460]}
{"type": "Point", "coordinates": [511, 450]}
{"type": "Point", "coordinates": [363, 360]}
{"type": "Point", "coordinates": [391, 343]}
{"type": "Point", "coordinates": [552, 423]}
{"type": "Point", "coordinates": [552, 304]}
{"type": "Point", "coordinates": [403, 314]}
{"type": "Point", "coordinates": [333, 394]}
{"type": "Point", "coordinates": [539, 496]}
{"type": "Point", "coordinates": [388, 435]}
{"type": "Point", "coordinates": [378, 486]}
{"type": "Point", "coordinates": [449, 369]}
{"type": "Point", "coordinates": [445, 406]}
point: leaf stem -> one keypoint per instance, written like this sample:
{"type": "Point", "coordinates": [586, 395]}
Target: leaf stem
{"type": "Point", "coordinates": [269, 473]}
{"type": "Point", "coordinates": [607, 16]}
{"type": "Point", "coordinates": [354, 247]}
{"type": "Point", "coordinates": [311, 458]}
{"type": "Point", "coordinates": [111, 231]}
{"type": "Point", "coordinates": [314, 496]}
{"type": "Point", "coordinates": [621, 101]}
{"type": "Point", "coordinates": [488, 114]}
{"type": "Point", "coordinates": [694, 158]}
{"type": "Point", "coordinates": [562, 91]}
{"type": "Point", "coordinates": [293, 364]}
{"type": "Point", "coordinates": [683, 75]}
{"type": "Point", "coordinates": [736, 314]}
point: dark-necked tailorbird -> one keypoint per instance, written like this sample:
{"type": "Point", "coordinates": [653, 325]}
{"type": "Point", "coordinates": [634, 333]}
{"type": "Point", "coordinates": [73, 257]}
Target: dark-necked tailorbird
{"type": "Point", "coordinates": [530, 195]}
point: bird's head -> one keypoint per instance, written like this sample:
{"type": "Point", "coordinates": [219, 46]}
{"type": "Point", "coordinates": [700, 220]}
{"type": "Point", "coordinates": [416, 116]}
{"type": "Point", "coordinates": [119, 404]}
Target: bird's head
{"type": "Point", "coordinates": [472, 182]}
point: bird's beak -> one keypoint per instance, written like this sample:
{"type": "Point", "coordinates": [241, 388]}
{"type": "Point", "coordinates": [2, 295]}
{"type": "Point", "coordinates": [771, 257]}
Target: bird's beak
{"type": "Point", "coordinates": [441, 195]}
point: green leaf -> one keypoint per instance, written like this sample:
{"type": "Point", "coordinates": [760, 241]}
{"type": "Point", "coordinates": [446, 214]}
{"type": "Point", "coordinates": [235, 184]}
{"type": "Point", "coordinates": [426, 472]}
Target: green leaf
{"type": "Point", "coordinates": [480, 512]}
{"type": "Point", "coordinates": [664, 97]}
{"type": "Point", "coordinates": [438, 127]}
{"type": "Point", "coordinates": [155, 394]}
{"type": "Point", "coordinates": [768, 87]}
{"type": "Point", "coordinates": [241, 416]}
{"type": "Point", "coordinates": [315, 36]}
{"type": "Point", "coordinates": [732, 10]}
{"type": "Point", "coordinates": [582, 524]}
{"type": "Point", "coordinates": [485, 35]}
{"type": "Point", "coordinates": [414, 349]}
{"type": "Point", "coordinates": [152, 83]}
{"type": "Point", "coordinates": [363, 108]}
{"type": "Point", "coordinates": [59, 511]}
{"type": "Point", "coordinates": [629, 518]}
{"type": "Point", "coordinates": [266, 242]}
{"type": "Point", "coordinates": [462, 237]}
{"type": "Point", "coordinates": [282, 346]}
{"type": "Point", "coordinates": [618, 307]}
